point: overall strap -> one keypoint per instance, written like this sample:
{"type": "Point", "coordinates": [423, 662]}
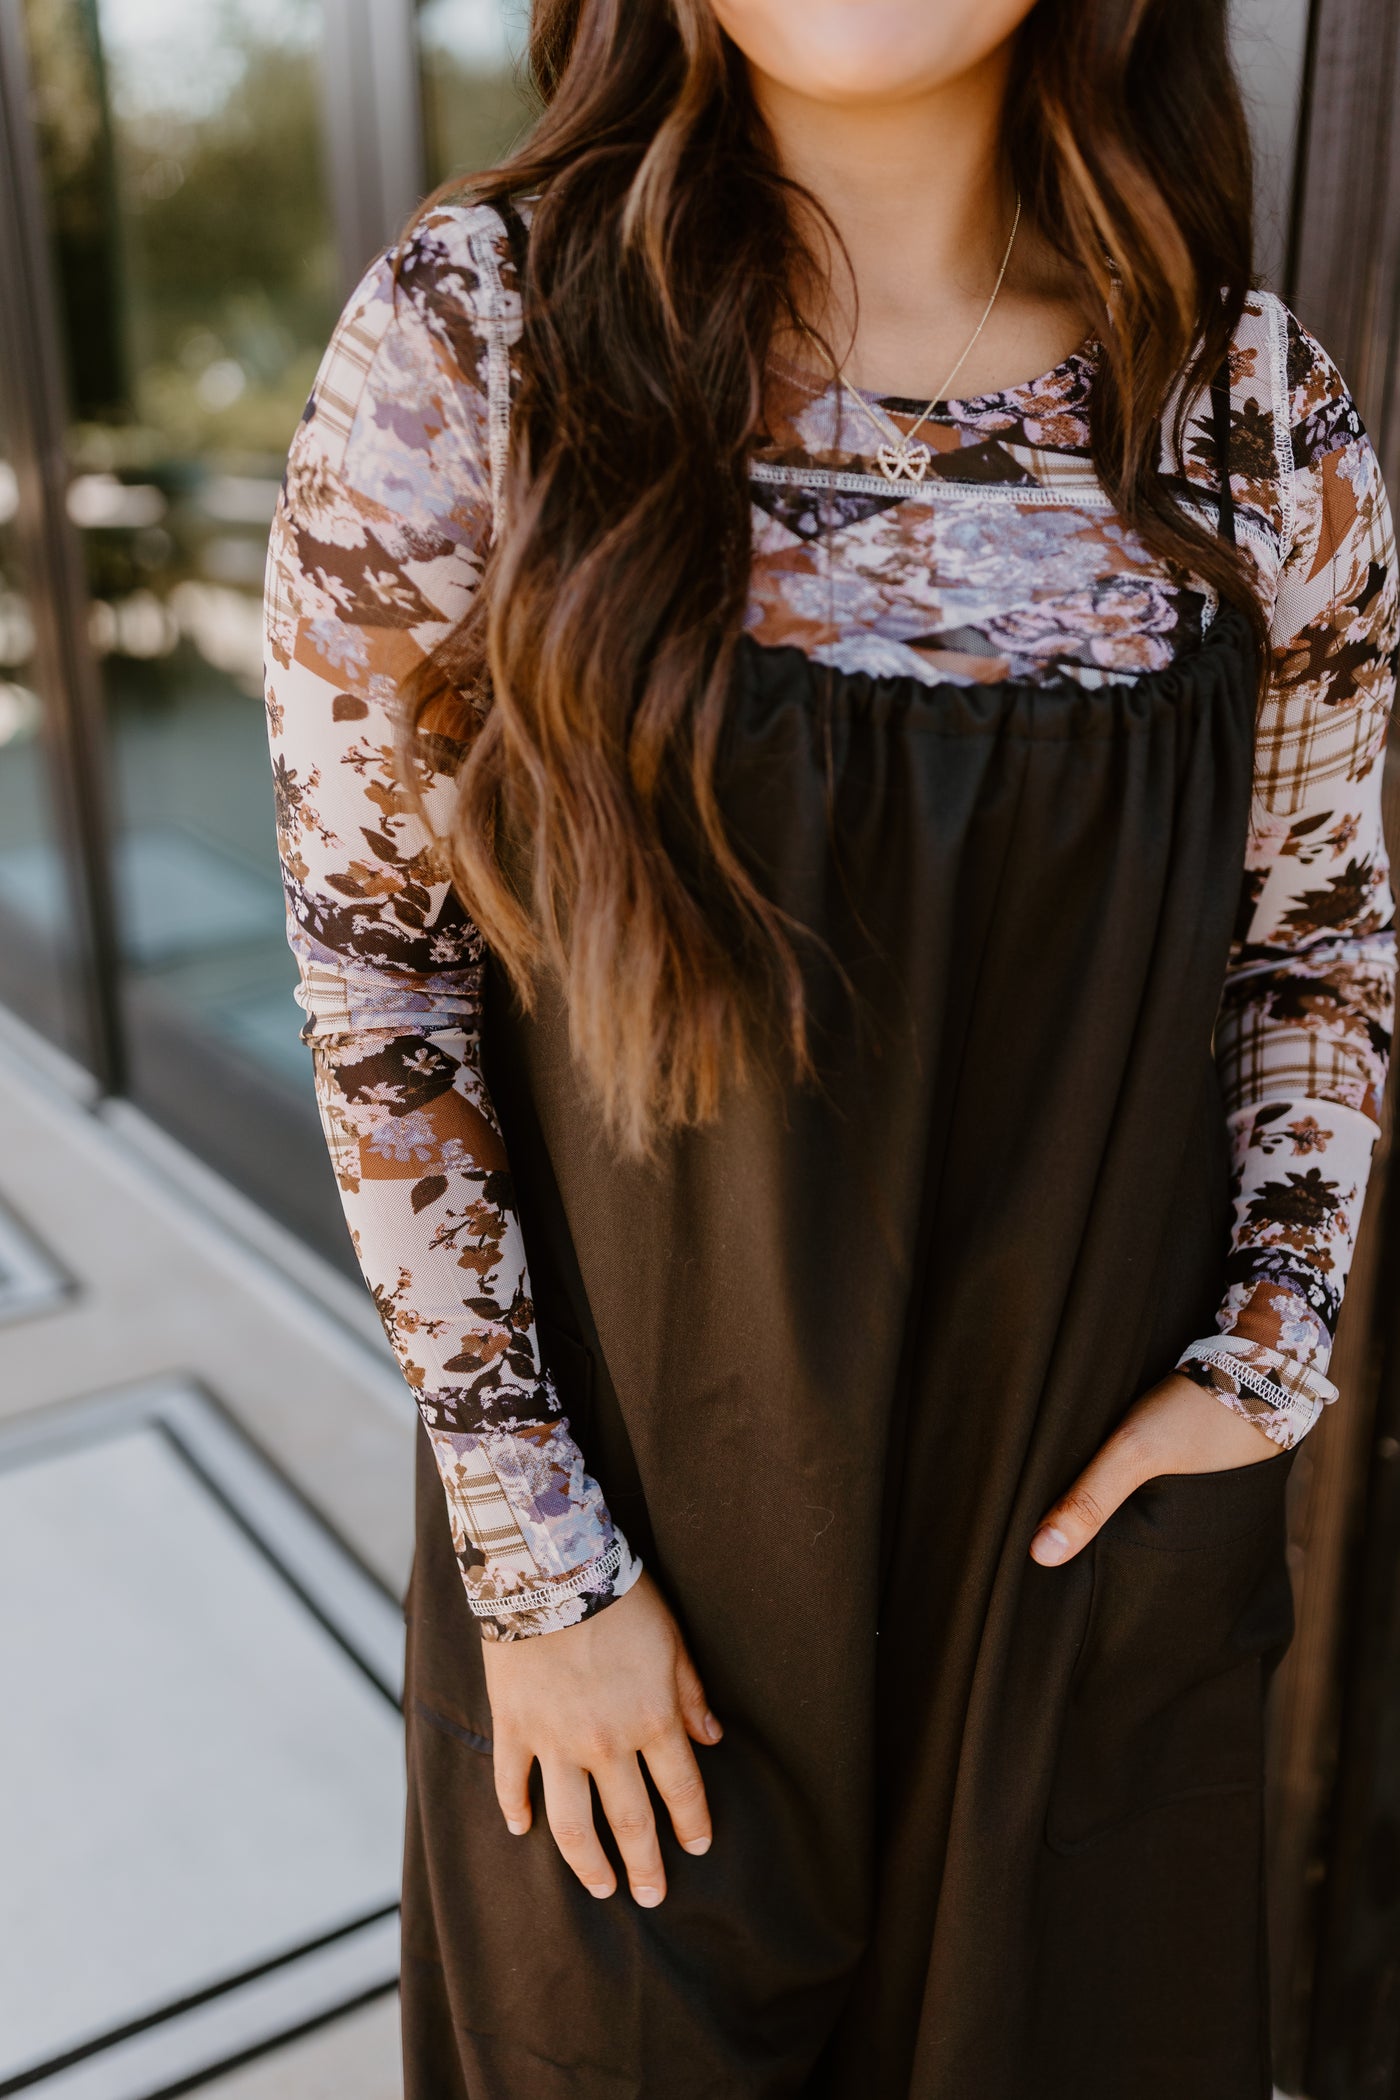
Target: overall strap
{"type": "Point", "coordinates": [1220, 420]}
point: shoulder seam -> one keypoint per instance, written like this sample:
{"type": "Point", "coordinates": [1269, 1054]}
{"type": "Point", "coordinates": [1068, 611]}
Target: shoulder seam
{"type": "Point", "coordinates": [1283, 421]}
{"type": "Point", "coordinates": [501, 318]}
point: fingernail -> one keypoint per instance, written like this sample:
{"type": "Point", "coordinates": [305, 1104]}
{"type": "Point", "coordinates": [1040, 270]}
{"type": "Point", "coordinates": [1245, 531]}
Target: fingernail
{"type": "Point", "coordinates": [516, 1829]}
{"type": "Point", "coordinates": [647, 1897]}
{"type": "Point", "coordinates": [713, 1731]}
{"type": "Point", "coordinates": [1049, 1546]}
{"type": "Point", "coordinates": [599, 1888]}
{"type": "Point", "coordinates": [698, 1845]}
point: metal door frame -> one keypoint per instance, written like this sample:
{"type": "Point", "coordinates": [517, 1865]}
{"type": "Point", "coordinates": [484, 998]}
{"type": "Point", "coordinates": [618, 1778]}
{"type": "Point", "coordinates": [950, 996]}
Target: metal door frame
{"type": "Point", "coordinates": [1345, 252]}
{"type": "Point", "coordinates": [373, 134]}
{"type": "Point", "coordinates": [32, 373]}
{"type": "Point", "coordinates": [1337, 1890]}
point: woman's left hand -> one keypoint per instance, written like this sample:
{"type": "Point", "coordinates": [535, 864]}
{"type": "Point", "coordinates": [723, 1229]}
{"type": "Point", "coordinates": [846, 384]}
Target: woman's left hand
{"type": "Point", "coordinates": [1177, 1427]}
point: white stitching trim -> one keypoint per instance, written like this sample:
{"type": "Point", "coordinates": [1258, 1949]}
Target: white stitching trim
{"type": "Point", "coordinates": [1283, 424]}
{"type": "Point", "coordinates": [540, 1599]}
{"type": "Point", "coordinates": [947, 491]}
{"type": "Point", "coordinates": [1254, 1381]}
{"type": "Point", "coordinates": [1234, 1348]}
{"type": "Point", "coordinates": [1305, 1408]}
{"type": "Point", "coordinates": [1086, 498]}
{"type": "Point", "coordinates": [483, 248]}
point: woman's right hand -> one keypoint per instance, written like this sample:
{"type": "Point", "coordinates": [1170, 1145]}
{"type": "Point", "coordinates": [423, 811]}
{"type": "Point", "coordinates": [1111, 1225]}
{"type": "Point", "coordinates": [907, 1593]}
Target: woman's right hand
{"type": "Point", "coordinates": [589, 1701]}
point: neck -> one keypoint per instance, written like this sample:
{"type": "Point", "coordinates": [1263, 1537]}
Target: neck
{"type": "Point", "coordinates": [917, 192]}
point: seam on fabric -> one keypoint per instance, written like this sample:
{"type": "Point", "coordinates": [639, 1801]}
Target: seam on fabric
{"type": "Point", "coordinates": [1253, 1381]}
{"type": "Point", "coordinates": [482, 1744]}
{"type": "Point", "coordinates": [1292, 1094]}
{"type": "Point", "coordinates": [919, 715]}
{"type": "Point", "coordinates": [1233, 1349]}
{"type": "Point", "coordinates": [483, 249]}
{"type": "Point", "coordinates": [1087, 498]}
{"type": "Point", "coordinates": [540, 1599]}
{"type": "Point", "coordinates": [1283, 425]}
{"type": "Point", "coordinates": [942, 491]}
{"type": "Point", "coordinates": [1258, 1381]}
{"type": "Point", "coordinates": [1246, 526]}
{"type": "Point", "coordinates": [1205, 1541]}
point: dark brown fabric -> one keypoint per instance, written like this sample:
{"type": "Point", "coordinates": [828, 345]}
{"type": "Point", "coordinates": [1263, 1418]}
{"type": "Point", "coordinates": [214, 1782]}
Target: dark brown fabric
{"type": "Point", "coordinates": [983, 1830]}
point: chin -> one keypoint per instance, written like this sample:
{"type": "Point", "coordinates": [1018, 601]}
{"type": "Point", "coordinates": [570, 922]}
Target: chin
{"type": "Point", "coordinates": [859, 79]}
{"type": "Point", "coordinates": [861, 51]}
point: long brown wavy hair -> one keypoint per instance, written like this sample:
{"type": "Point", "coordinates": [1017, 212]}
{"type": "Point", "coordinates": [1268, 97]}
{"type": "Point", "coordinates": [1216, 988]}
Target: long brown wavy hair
{"type": "Point", "coordinates": [581, 699]}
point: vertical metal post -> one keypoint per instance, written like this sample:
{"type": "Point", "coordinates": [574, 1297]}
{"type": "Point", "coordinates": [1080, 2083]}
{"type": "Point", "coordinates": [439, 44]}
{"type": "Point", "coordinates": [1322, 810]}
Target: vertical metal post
{"type": "Point", "coordinates": [33, 375]}
{"type": "Point", "coordinates": [1270, 38]}
{"type": "Point", "coordinates": [1345, 284]}
{"type": "Point", "coordinates": [1345, 273]}
{"type": "Point", "coordinates": [373, 124]}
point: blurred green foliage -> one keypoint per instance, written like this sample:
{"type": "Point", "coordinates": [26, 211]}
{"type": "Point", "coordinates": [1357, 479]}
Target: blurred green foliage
{"type": "Point", "coordinates": [193, 241]}
{"type": "Point", "coordinates": [471, 119]}
{"type": "Point", "coordinates": [75, 143]}
{"type": "Point", "coordinates": [194, 251]}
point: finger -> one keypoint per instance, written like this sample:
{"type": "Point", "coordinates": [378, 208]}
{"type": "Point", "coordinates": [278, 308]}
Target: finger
{"type": "Point", "coordinates": [569, 1806]}
{"type": "Point", "coordinates": [1103, 1486]}
{"type": "Point", "coordinates": [627, 1806]}
{"type": "Point", "coordinates": [700, 1723]}
{"type": "Point", "coordinates": [512, 1762]}
{"type": "Point", "coordinates": [671, 1763]}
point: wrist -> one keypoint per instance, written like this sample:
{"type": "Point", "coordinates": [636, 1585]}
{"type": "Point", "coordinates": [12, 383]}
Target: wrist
{"type": "Point", "coordinates": [529, 1609]}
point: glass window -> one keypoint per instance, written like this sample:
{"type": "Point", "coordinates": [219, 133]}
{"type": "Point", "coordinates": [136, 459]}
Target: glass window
{"type": "Point", "coordinates": [475, 100]}
{"type": "Point", "coordinates": [36, 968]}
{"type": "Point", "coordinates": [183, 153]}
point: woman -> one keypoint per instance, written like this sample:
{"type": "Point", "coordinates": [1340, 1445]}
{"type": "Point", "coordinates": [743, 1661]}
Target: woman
{"type": "Point", "coordinates": [810, 823]}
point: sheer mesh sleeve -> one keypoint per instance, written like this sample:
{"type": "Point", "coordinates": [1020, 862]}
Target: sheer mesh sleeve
{"type": "Point", "coordinates": [375, 551]}
{"type": "Point", "coordinates": [1304, 1031]}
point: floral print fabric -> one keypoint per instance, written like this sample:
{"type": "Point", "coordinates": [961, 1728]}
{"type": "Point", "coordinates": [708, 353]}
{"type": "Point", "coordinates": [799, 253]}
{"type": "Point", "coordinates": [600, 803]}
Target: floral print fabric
{"type": "Point", "coordinates": [1008, 560]}
{"type": "Point", "coordinates": [375, 549]}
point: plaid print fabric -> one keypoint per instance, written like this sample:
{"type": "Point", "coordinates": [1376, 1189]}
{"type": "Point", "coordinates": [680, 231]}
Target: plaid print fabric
{"type": "Point", "coordinates": [1281, 1396]}
{"type": "Point", "coordinates": [1038, 581]}
{"type": "Point", "coordinates": [1008, 562]}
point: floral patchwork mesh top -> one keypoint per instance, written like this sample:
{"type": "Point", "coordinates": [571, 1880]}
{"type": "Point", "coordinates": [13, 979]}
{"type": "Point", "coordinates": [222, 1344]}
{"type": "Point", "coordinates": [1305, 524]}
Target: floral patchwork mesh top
{"type": "Point", "coordinates": [1007, 560]}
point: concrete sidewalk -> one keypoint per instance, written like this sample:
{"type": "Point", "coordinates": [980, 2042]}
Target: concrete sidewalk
{"type": "Point", "coordinates": [158, 1273]}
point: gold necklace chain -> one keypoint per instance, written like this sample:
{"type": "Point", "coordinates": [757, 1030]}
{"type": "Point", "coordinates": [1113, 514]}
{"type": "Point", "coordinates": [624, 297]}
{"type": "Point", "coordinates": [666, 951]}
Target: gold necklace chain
{"type": "Point", "coordinates": [898, 457]}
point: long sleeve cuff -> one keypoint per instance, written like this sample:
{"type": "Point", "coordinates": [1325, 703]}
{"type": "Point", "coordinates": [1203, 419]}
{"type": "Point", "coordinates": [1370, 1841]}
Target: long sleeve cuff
{"type": "Point", "coordinates": [534, 1539]}
{"type": "Point", "coordinates": [518, 1614]}
{"type": "Point", "coordinates": [1279, 1395]}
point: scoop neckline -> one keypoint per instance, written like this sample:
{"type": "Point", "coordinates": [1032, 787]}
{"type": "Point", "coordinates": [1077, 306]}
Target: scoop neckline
{"type": "Point", "coordinates": [1085, 355]}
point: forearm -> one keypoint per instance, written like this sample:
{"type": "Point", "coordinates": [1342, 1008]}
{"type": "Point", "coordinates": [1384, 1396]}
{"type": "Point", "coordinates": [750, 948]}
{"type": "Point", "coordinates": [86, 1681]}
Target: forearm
{"type": "Point", "coordinates": [428, 1199]}
{"type": "Point", "coordinates": [1303, 1036]}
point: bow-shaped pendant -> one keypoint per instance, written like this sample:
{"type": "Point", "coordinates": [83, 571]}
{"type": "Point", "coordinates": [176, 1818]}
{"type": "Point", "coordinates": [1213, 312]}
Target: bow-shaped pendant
{"type": "Point", "coordinates": [903, 462]}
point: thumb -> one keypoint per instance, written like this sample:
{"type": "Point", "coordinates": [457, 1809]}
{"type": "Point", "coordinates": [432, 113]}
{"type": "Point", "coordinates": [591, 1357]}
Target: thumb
{"type": "Point", "coordinates": [700, 1724]}
{"type": "Point", "coordinates": [1106, 1483]}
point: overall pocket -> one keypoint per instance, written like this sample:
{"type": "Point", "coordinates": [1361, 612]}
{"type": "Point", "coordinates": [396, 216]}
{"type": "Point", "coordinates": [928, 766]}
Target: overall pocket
{"type": "Point", "coordinates": [1191, 1605]}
